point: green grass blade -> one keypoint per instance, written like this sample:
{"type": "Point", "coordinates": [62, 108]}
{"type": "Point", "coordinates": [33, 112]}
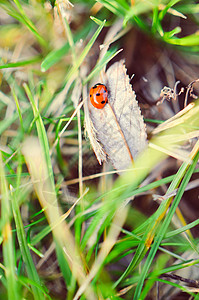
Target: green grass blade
{"type": "Point", "coordinates": [170, 34]}
{"type": "Point", "coordinates": [178, 286]}
{"type": "Point", "coordinates": [27, 281]}
{"type": "Point", "coordinates": [176, 267]}
{"type": "Point", "coordinates": [8, 245]}
{"type": "Point", "coordinates": [42, 234]}
{"type": "Point", "coordinates": [30, 267]}
{"type": "Point", "coordinates": [19, 110]}
{"type": "Point", "coordinates": [164, 11]}
{"type": "Point", "coordinates": [116, 7]}
{"type": "Point", "coordinates": [187, 41]}
{"type": "Point", "coordinates": [188, 8]}
{"type": "Point", "coordinates": [82, 56]}
{"type": "Point", "coordinates": [56, 55]}
{"type": "Point", "coordinates": [153, 226]}
{"type": "Point", "coordinates": [136, 10]}
{"type": "Point", "coordinates": [155, 20]}
{"type": "Point", "coordinates": [42, 135]}
{"type": "Point", "coordinates": [162, 260]}
{"type": "Point", "coordinates": [53, 57]}
{"type": "Point", "coordinates": [135, 192]}
{"type": "Point", "coordinates": [8, 121]}
{"type": "Point", "coordinates": [127, 184]}
{"type": "Point", "coordinates": [165, 223]}
{"type": "Point", "coordinates": [45, 146]}
{"type": "Point", "coordinates": [110, 54]}
{"type": "Point", "coordinates": [182, 229]}
{"type": "Point", "coordinates": [22, 18]}
{"type": "Point", "coordinates": [23, 63]}
{"type": "Point", "coordinates": [48, 199]}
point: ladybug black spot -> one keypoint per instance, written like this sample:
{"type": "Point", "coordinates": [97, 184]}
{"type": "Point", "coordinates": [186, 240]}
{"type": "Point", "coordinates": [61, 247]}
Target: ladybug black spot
{"type": "Point", "coordinates": [102, 102]}
{"type": "Point", "coordinates": [98, 94]}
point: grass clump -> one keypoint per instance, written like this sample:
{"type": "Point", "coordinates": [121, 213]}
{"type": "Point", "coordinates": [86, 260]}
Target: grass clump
{"type": "Point", "coordinates": [94, 234]}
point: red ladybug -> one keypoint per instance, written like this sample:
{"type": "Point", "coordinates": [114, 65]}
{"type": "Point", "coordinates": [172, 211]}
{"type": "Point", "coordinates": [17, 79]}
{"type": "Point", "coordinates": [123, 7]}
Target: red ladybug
{"type": "Point", "coordinates": [99, 95]}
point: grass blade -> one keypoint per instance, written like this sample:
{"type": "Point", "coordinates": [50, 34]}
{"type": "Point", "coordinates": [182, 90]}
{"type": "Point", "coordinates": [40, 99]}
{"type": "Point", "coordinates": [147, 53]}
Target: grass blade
{"type": "Point", "coordinates": [23, 63]}
{"type": "Point", "coordinates": [8, 246]}
{"type": "Point", "coordinates": [81, 58]}
{"type": "Point", "coordinates": [30, 267]}
{"type": "Point", "coordinates": [167, 220]}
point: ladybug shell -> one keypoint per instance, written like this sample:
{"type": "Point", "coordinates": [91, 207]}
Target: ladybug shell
{"type": "Point", "coordinates": [99, 95]}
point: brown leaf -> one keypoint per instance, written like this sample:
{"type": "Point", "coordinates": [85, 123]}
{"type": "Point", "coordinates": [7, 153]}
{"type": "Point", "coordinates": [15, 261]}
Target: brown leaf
{"type": "Point", "coordinates": [119, 128]}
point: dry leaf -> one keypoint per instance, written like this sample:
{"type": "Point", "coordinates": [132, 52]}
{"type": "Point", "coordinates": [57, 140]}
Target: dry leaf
{"type": "Point", "coordinates": [118, 128]}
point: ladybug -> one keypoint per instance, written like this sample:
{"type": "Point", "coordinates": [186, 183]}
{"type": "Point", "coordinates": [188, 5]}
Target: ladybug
{"type": "Point", "coordinates": [99, 95]}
